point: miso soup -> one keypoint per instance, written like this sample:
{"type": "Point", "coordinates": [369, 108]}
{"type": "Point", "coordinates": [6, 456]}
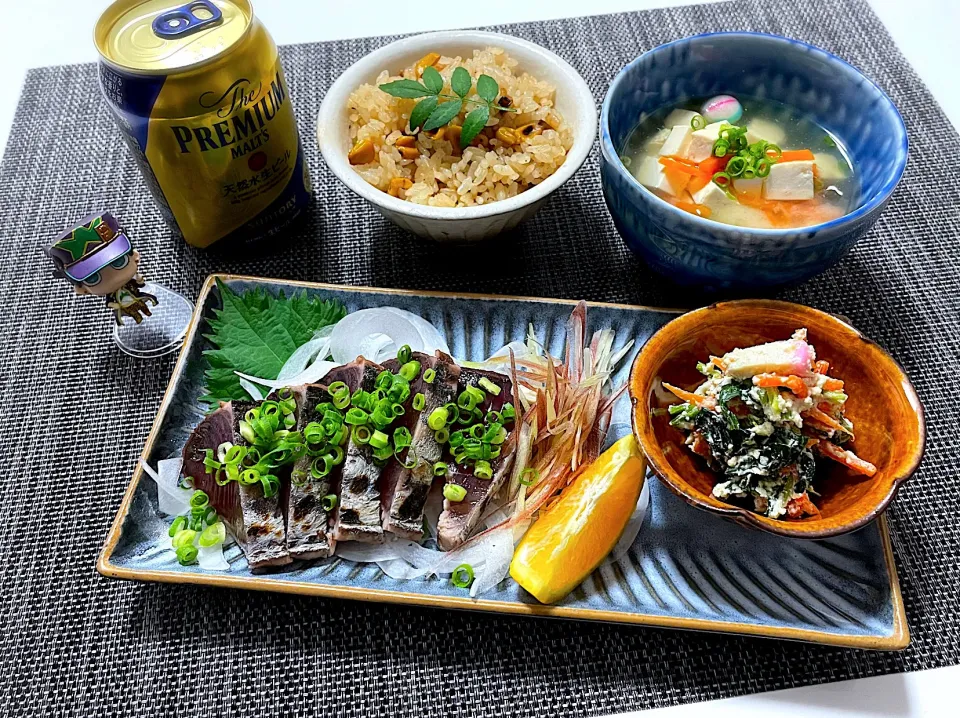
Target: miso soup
{"type": "Point", "coordinates": [749, 162]}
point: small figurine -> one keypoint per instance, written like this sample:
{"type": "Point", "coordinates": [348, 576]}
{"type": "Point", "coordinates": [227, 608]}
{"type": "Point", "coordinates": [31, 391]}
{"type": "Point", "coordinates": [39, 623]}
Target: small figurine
{"type": "Point", "coordinates": [96, 256]}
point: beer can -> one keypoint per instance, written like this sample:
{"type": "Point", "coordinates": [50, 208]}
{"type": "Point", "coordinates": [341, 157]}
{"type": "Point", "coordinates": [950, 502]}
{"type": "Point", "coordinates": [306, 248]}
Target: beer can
{"type": "Point", "coordinates": [199, 95]}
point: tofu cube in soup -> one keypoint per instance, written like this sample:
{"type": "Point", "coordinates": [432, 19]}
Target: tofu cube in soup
{"type": "Point", "coordinates": [828, 167]}
{"type": "Point", "coordinates": [656, 141]}
{"type": "Point", "coordinates": [701, 142]}
{"type": "Point", "coordinates": [676, 143]}
{"type": "Point", "coordinates": [790, 181]}
{"type": "Point", "coordinates": [749, 187]}
{"type": "Point", "coordinates": [651, 175]}
{"type": "Point", "coordinates": [712, 196]}
{"type": "Point", "coordinates": [680, 117]}
{"type": "Point", "coordinates": [763, 130]}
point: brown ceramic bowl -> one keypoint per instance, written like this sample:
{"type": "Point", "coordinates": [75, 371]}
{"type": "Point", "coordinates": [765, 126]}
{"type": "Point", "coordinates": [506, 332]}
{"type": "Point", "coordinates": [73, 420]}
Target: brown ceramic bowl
{"type": "Point", "coordinates": [884, 408]}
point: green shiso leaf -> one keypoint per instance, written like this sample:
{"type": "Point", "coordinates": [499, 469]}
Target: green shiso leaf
{"type": "Point", "coordinates": [255, 333]}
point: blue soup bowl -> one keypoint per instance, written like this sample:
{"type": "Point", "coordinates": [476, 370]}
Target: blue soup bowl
{"type": "Point", "coordinates": [696, 251]}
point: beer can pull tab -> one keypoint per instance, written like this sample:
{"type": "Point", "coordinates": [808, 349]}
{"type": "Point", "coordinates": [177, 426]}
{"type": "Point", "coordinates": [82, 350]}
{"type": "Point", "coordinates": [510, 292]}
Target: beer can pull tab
{"type": "Point", "coordinates": [186, 19]}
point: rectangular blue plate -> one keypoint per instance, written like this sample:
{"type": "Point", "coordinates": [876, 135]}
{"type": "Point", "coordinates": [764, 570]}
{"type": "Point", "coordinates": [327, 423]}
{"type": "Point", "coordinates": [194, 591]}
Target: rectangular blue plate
{"type": "Point", "coordinates": [686, 569]}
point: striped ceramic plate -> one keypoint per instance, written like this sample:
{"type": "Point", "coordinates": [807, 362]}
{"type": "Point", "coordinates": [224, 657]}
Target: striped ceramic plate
{"type": "Point", "coordinates": [686, 569]}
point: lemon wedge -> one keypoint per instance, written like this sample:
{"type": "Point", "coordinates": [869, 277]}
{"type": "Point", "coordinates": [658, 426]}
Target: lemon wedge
{"type": "Point", "coordinates": [570, 540]}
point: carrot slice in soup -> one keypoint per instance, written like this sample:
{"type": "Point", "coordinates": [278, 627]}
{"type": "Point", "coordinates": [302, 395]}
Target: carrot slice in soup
{"type": "Point", "coordinates": [713, 164]}
{"type": "Point", "coordinates": [699, 182]}
{"type": "Point", "coordinates": [669, 163]}
{"type": "Point", "coordinates": [795, 156]}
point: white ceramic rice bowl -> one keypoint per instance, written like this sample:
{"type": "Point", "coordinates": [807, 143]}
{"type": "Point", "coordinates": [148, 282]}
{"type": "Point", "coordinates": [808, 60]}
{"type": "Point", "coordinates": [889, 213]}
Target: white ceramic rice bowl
{"type": "Point", "coordinates": [574, 101]}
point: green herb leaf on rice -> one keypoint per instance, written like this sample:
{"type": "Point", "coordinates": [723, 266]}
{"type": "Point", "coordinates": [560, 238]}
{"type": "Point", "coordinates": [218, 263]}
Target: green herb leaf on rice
{"type": "Point", "coordinates": [410, 89]}
{"type": "Point", "coordinates": [255, 333]}
{"type": "Point", "coordinates": [421, 111]}
{"type": "Point", "coordinates": [473, 124]}
{"type": "Point", "coordinates": [487, 88]}
{"type": "Point", "coordinates": [432, 80]}
{"type": "Point", "coordinates": [460, 81]}
{"type": "Point", "coordinates": [443, 114]}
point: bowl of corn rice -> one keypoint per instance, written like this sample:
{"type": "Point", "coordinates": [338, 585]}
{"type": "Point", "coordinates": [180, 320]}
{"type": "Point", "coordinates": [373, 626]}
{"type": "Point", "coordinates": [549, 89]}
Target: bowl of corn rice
{"type": "Point", "coordinates": [457, 135]}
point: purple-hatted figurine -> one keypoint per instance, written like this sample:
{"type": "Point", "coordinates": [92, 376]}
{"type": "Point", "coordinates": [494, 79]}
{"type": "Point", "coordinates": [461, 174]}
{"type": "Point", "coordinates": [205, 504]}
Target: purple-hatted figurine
{"type": "Point", "coordinates": [96, 256]}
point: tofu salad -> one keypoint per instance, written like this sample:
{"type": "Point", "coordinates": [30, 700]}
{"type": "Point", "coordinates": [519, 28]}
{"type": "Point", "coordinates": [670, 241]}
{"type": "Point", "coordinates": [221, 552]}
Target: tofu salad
{"type": "Point", "coordinates": [759, 164]}
{"type": "Point", "coordinates": [761, 419]}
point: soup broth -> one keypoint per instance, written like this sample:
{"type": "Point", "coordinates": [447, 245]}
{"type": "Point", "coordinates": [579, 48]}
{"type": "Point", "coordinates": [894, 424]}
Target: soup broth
{"type": "Point", "coordinates": [764, 166]}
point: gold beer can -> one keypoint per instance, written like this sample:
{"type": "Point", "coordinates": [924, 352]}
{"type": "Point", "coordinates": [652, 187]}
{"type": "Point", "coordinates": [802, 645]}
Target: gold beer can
{"type": "Point", "coordinates": [199, 95]}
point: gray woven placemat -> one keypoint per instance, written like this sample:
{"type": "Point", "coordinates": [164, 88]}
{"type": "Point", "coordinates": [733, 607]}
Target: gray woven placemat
{"type": "Point", "coordinates": [77, 413]}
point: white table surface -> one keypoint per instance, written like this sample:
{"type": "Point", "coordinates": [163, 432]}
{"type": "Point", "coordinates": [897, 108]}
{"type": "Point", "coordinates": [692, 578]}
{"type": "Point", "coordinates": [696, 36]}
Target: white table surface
{"type": "Point", "coordinates": [925, 31]}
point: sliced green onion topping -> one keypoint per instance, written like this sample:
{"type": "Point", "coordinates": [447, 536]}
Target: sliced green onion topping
{"type": "Point", "coordinates": [329, 502]}
{"type": "Point", "coordinates": [453, 413]}
{"type": "Point", "coordinates": [401, 437]}
{"type": "Point", "coordinates": [212, 535]}
{"type": "Point", "coordinates": [187, 554]}
{"type": "Point", "coordinates": [698, 122]}
{"type": "Point", "coordinates": [184, 537]}
{"type": "Point", "coordinates": [379, 440]}
{"type": "Point", "coordinates": [529, 476]}
{"type": "Point", "coordinates": [489, 386]}
{"type": "Point", "coordinates": [429, 375]}
{"type": "Point", "coordinates": [210, 516]}
{"type": "Point", "coordinates": [199, 500]}
{"type": "Point", "coordinates": [321, 466]}
{"type": "Point", "coordinates": [419, 401]}
{"type": "Point", "coordinates": [482, 470]}
{"type": "Point", "coordinates": [438, 418]}
{"type": "Point", "coordinates": [383, 453]}
{"type": "Point", "coordinates": [440, 469]}
{"type": "Point", "coordinates": [454, 492]}
{"type": "Point", "coordinates": [462, 576]}
{"type": "Point", "coordinates": [411, 460]}
{"type": "Point", "coordinates": [442, 435]}
{"type": "Point", "coordinates": [410, 370]}
{"type": "Point", "coordinates": [403, 356]}
{"type": "Point", "coordinates": [271, 485]}
{"type": "Point", "coordinates": [360, 435]}
{"type": "Point", "coordinates": [356, 417]}
{"type": "Point", "coordinates": [466, 401]}
{"type": "Point", "coordinates": [177, 526]}
{"type": "Point", "coordinates": [337, 387]}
